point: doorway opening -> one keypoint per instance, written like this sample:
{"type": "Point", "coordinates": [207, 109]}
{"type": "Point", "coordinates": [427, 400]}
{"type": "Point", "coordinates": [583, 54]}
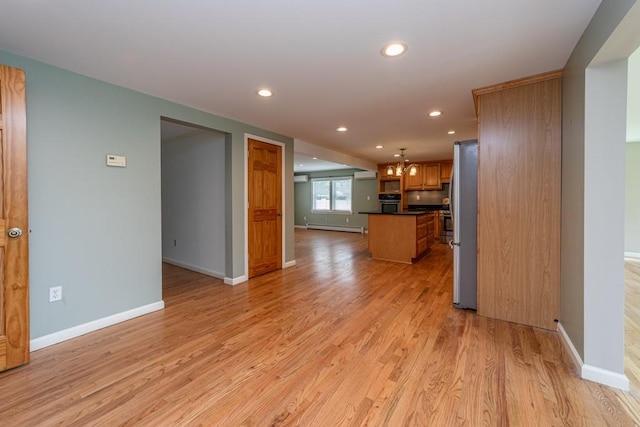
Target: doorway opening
{"type": "Point", "coordinates": [632, 224]}
{"type": "Point", "coordinates": [193, 197]}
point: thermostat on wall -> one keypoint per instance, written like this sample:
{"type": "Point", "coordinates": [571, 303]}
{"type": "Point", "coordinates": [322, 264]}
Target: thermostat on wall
{"type": "Point", "coordinates": [117, 161]}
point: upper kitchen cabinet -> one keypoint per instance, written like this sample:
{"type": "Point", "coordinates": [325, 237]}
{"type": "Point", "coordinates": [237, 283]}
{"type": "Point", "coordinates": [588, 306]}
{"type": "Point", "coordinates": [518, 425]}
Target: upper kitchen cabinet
{"type": "Point", "coordinates": [431, 176]}
{"type": "Point", "coordinates": [414, 182]}
{"type": "Point", "coordinates": [426, 178]}
{"type": "Point", "coordinates": [519, 142]}
{"type": "Point", "coordinates": [445, 170]}
{"type": "Point", "coordinates": [388, 183]}
{"type": "Point", "coordinates": [382, 173]}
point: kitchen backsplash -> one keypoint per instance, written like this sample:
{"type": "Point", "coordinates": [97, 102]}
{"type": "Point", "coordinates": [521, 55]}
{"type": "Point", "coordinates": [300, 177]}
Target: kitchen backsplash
{"type": "Point", "coordinates": [431, 197]}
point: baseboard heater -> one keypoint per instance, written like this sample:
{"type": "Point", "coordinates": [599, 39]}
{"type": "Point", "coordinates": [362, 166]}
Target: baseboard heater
{"type": "Point", "coordinates": [347, 228]}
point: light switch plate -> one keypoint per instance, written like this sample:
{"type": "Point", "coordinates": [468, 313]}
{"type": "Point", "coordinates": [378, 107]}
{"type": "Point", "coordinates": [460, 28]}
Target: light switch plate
{"type": "Point", "coordinates": [117, 161]}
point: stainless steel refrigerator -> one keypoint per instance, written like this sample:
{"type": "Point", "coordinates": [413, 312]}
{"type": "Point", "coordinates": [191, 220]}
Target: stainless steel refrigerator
{"type": "Point", "coordinates": [464, 213]}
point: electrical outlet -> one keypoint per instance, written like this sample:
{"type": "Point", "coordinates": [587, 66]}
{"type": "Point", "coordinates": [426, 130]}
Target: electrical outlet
{"type": "Point", "coordinates": [55, 293]}
{"type": "Point", "coordinates": [347, 220]}
{"type": "Point", "coordinates": [305, 218]}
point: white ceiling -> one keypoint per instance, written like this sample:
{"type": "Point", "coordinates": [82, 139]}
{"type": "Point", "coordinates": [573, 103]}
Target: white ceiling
{"type": "Point", "coordinates": [321, 59]}
{"type": "Point", "coordinates": [303, 163]}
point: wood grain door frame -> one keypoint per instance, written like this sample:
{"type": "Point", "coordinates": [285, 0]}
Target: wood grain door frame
{"type": "Point", "coordinates": [14, 249]}
{"type": "Point", "coordinates": [248, 136]}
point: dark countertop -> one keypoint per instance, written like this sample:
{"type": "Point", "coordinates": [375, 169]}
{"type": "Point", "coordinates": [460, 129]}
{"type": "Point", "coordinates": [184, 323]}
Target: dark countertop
{"type": "Point", "coordinates": [414, 213]}
{"type": "Point", "coordinates": [428, 208]}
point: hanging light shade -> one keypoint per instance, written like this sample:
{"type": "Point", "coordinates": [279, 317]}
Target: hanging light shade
{"type": "Point", "coordinates": [400, 169]}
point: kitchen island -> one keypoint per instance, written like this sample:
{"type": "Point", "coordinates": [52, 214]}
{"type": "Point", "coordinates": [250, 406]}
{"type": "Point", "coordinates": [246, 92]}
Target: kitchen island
{"type": "Point", "coordinates": [401, 237]}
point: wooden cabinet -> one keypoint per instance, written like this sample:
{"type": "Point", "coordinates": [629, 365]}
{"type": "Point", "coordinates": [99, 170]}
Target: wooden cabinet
{"type": "Point", "coordinates": [382, 173]}
{"type": "Point", "coordinates": [425, 232]}
{"type": "Point", "coordinates": [436, 225]}
{"type": "Point", "coordinates": [430, 231]}
{"type": "Point", "coordinates": [426, 178]}
{"type": "Point", "coordinates": [519, 152]}
{"type": "Point", "coordinates": [388, 183]}
{"type": "Point", "coordinates": [422, 243]}
{"type": "Point", "coordinates": [431, 176]}
{"type": "Point", "coordinates": [401, 238]}
{"type": "Point", "coordinates": [445, 170]}
{"type": "Point", "coordinates": [414, 182]}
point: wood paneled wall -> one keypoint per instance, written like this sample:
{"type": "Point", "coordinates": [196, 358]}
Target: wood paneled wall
{"type": "Point", "coordinates": [519, 200]}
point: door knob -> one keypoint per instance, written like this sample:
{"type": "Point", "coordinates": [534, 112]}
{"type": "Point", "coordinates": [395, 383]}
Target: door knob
{"type": "Point", "coordinates": [14, 232]}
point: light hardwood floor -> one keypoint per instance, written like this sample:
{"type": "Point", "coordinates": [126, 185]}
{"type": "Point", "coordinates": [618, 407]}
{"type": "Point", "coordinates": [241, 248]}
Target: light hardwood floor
{"type": "Point", "coordinates": [632, 321]}
{"type": "Point", "coordinates": [339, 339]}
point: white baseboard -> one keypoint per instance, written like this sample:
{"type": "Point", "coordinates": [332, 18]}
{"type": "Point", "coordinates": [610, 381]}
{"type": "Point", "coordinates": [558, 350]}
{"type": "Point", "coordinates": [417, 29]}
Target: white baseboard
{"type": "Point", "coordinates": [632, 255]}
{"type": "Point", "coordinates": [593, 373]}
{"type": "Point", "coordinates": [568, 345]}
{"type": "Point", "coordinates": [300, 226]}
{"type": "Point", "coordinates": [289, 264]}
{"type": "Point", "coordinates": [85, 328]}
{"type": "Point", "coordinates": [195, 268]}
{"type": "Point", "coordinates": [235, 280]}
{"type": "Point", "coordinates": [603, 376]}
{"type": "Point", "coordinates": [345, 227]}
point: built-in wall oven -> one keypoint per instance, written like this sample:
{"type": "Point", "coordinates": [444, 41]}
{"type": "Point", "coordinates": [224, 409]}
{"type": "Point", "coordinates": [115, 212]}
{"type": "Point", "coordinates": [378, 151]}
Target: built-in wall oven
{"type": "Point", "coordinates": [389, 203]}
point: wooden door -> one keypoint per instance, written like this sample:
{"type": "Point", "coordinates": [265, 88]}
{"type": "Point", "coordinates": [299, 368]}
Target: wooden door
{"type": "Point", "coordinates": [14, 269]}
{"type": "Point", "coordinates": [265, 207]}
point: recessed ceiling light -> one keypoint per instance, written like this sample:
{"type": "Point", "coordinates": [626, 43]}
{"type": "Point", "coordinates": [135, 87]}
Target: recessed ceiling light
{"type": "Point", "coordinates": [451, 132]}
{"type": "Point", "coordinates": [378, 146]}
{"type": "Point", "coordinates": [300, 164]}
{"type": "Point", "coordinates": [341, 129]}
{"type": "Point", "coordinates": [435, 113]}
{"type": "Point", "coordinates": [265, 93]}
{"type": "Point", "coordinates": [396, 155]}
{"type": "Point", "coordinates": [314, 158]}
{"type": "Point", "coordinates": [394, 49]}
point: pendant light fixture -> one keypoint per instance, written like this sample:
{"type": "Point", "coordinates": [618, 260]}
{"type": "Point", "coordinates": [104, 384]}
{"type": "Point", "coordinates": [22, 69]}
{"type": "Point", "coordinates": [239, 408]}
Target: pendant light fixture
{"type": "Point", "coordinates": [400, 169]}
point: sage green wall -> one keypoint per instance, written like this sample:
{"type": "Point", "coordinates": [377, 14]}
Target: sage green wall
{"type": "Point", "coordinates": [632, 200]}
{"type": "Point", "coordinates": [94, 230]}
{"type": "Point", "coordinates": [574, 169]}
{"type": "Point", "coordinates": [632, 178]}
{"type": "Point", "coordinates": [362, 188]}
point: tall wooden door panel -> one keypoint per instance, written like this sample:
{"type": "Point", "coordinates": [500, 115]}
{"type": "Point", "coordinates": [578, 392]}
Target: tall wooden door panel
{"type": "Point", "coordinates": [14, 289]}
{"type": "Point", "coordinates": [265, 207]}
{"type": "Point", "coordinates": [519, 203]}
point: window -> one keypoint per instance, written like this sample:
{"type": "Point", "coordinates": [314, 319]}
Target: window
{"type": "Point", "coordinates": [332, 194]}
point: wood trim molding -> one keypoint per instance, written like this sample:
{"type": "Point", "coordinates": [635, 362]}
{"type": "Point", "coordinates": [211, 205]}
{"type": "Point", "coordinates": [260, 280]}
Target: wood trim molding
{"type": "Point", "coordinates": [536, 78]}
